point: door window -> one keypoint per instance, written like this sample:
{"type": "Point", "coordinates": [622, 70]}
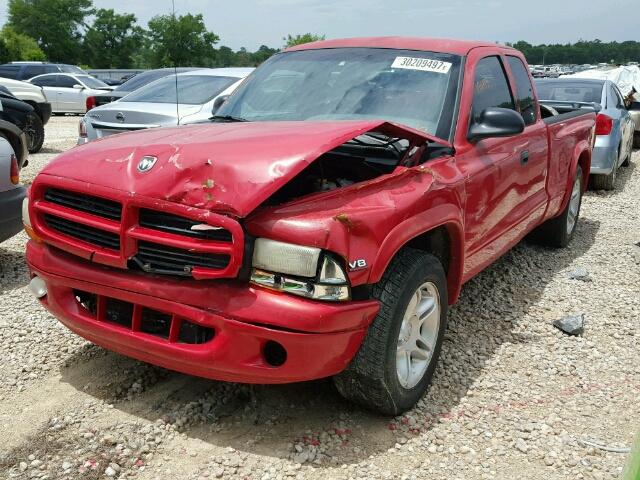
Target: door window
{"type": "Point", "coordinates": [33, 70]}
{"type": "Point", "coordinates": [524, 90]}
{"type": "Point", "coordinates": [66, 81]}
{"type": "Point", "coordinates": [490, 88]}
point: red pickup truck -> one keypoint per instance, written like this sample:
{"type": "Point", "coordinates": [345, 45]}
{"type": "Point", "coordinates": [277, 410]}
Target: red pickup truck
{"type": "Point", "coordinates": [319, 225]}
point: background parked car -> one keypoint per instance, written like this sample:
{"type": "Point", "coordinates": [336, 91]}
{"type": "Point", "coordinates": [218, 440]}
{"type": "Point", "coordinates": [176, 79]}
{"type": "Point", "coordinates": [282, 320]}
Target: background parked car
{"type": "Point", "coordinates": [614, 125]}
{"type": "Point", "coordinates": [67, 92]}
{"type": "Point", "coordinates": [11, 192]}
{"type": "Point", "coordinates": [34, 96]}
{"type": "Point", "coordinates": [135, 82]}
{"type": "Point", "coordinates": [27, 70]}
{"type": "Point", "coordinates": [14, 118]}
{"type": "Point", "coordinates": [156, 104]}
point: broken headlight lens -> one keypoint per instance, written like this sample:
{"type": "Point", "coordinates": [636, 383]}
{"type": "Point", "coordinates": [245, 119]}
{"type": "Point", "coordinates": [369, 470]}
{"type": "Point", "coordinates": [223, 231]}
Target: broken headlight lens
{"type": "Point", "coordinates": [330, 284]}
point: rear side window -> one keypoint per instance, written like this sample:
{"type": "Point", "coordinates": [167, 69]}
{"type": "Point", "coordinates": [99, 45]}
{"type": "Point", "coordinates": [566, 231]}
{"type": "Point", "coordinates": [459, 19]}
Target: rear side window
{"type": "Point", "coordinates": [524, 90]}
{"type": "Point", "coordinates": [490, 88]}
{"type": "Point", "coordinates": [616, 96]}
{"type": "Point", "coordinates": [31, 71]}
{"type": "Point", "coordinates": [45, 81]}
{"type": "Point", "coordinates": [9, 71]}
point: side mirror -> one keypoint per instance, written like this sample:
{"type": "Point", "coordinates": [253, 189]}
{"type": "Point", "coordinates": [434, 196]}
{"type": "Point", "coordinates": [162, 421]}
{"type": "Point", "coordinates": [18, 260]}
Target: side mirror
{"type": "Point", "coordinates": [496, 122]}
{"type": "Point", "coordinates": [217, 103]}
{"type": "Point", "coordinates": [77, 86]}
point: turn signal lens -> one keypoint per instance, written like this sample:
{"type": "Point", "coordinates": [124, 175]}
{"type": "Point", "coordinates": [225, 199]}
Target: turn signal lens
{"type": "Point", "coordinates": [604, 124]}
{"type": "Point", "coordinates": [15, 171]}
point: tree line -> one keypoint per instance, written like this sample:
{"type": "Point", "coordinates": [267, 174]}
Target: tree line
{"type": "Point", "coordinates": [75, 32]}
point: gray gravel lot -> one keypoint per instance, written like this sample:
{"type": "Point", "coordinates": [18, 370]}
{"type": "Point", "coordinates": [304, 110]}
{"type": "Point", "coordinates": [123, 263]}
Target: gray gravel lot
{"type": "Point", "coordinates": [513, 397]}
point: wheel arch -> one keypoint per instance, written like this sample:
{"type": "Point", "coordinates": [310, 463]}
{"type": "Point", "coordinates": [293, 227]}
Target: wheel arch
{"type": "Point", "coordinates": [15, 137]}
{"type": "Point", "coordinates": [437, 231]}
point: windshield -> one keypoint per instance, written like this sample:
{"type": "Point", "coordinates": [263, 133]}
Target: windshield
{"type": "Point", "coordinates": [192, 89]}
{"type": "Point", "coordinates": [91, 82]}
{"type": "Point", "coordinates": [72, 69]}
{"type": "Point", "coordinates": [568, 91]}
{"type": "Point", "coordinates": [415, 88]}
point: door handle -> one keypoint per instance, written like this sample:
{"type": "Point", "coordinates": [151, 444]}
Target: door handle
{"type": "Point", "coordinates": [524, 157]}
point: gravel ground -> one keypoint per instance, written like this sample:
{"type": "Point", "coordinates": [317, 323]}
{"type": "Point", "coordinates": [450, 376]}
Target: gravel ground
{"type": "Point", "coordinates": [513, 397]}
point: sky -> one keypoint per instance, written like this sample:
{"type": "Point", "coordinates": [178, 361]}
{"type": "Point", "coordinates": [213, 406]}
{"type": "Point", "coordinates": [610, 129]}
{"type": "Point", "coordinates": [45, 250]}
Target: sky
{"type": "Point", "coordinates": [251, 23]}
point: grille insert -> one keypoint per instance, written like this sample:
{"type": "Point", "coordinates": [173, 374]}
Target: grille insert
{"type": "Point", "coordinates": [82, 232]}
{"type": "Point", "coordinates": [147, 320]}
{"type": "Point", "coordinates": [167, 222]}
{"type": "Point", "coordinates": [156, 258]}
{"type": "Point", "coordinates": [85, 203]}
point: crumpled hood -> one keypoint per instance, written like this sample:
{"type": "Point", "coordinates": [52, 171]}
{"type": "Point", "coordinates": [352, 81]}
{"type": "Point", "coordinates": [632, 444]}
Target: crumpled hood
{"type": "Point", "coordinates": [226, 167]}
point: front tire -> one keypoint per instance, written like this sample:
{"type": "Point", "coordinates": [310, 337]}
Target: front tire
{"type": "Point", "coordinates": [397, 359]}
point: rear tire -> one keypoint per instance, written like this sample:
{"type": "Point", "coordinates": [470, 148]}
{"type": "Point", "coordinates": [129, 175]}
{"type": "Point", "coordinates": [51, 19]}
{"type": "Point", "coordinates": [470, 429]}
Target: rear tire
{"type": "Point", "coordinates": [35, 133]}
{"type": "Point", "coordinates": [558, 232]}
{"type": "Point", "coordinates": [605, 182]}
{"type": "Point", "coordinates": [396, 361]}
{"type": "Point", "coordinates": [636, 140]}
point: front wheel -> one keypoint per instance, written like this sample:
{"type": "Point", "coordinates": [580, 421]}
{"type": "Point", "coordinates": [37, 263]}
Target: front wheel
{"type": "Point", "coordinates": [34, 131]}
{"type": "Point", "coordinates": [395, 363]}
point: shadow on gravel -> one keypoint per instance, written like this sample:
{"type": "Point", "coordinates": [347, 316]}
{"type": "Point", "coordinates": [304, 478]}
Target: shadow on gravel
{"type": "Point", "coordinates": [13, 270]}
{"type": "Point", "coordinates": [50, 150]}
{"type": "Point", "coordinates": [267, 420]}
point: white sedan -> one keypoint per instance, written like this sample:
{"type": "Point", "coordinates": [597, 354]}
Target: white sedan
{"type": "Point", "coordinates": [189, 97]}
{"type": "Point", "coordinates": [67, 93]}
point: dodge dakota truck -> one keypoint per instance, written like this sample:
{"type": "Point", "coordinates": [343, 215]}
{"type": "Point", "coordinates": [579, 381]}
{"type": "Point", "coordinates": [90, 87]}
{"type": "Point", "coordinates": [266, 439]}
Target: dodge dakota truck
{"type": "Point", "coordinates": [319, 225]}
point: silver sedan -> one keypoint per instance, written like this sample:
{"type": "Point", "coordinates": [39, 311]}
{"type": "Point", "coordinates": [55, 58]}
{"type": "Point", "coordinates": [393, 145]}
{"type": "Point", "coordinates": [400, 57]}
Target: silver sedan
{"type": "Point", "coordinates": [188, 97]}
{"type": "Point", "coordinates": [614, 124]}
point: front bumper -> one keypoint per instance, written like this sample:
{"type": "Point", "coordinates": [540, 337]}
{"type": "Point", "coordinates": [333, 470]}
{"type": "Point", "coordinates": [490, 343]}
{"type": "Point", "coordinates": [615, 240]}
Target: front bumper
{"type": "Point", "coordinates": [320, 339]}
{"type": "Point", "coordinates": [11, 206]}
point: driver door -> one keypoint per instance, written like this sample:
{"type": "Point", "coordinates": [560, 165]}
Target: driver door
{"type": "Point", "coordinates": [69, 99]}
{"type": "Point", "coordinates": [493, 169]}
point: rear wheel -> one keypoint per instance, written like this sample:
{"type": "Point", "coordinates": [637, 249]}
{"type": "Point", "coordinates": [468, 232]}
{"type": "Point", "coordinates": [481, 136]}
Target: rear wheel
{"type": "Point", "coordinates": [636, 140]}
{"type": "Point", "coordinates": [34, 130]}
{"type": "Point", "coordinates": [558, 231]}
{"type": "Point", "coordinates": [398, 356]}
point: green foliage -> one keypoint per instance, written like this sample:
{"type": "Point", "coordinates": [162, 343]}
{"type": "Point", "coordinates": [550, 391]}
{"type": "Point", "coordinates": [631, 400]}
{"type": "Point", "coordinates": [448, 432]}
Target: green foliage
{"type": "Point", "coordinates": [581, 52]}
{"type": "Point", "coordinates": [291, 40]}
{"type": "Point", "coordinates": [19, 46]}
{"type": "Point", "coordinates": [112, 40]}
{"type": "Point", "coordinates": [55, 24]}
{"type": "Point", "coordinates": [180, 41]}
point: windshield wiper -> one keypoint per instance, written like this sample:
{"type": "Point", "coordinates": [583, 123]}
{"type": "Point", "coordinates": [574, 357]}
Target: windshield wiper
{"type": "Point", "coordinates": [227, 118]}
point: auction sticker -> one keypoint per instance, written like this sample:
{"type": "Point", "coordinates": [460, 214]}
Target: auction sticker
{"type": "Point", "coordinates": [423, 64]}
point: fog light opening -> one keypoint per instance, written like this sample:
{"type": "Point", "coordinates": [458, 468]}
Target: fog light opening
{"type": "Point", "coordinates": [274, 354]}
{"type": "Point", "coordinates": [38, 287]}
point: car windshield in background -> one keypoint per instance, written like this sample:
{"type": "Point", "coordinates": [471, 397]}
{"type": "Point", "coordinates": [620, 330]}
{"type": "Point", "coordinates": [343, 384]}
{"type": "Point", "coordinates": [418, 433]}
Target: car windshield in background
{"type": "Point", "coordinates": [566, 91]}
{"type": "Point", "coordinates": [92, 82]}
{"type": "Point", "coordinates": [72, 69]}
{"type": "Point", "coordinates": [415, 88]}
{"type": "Point", "coordinates": [140, 80]}
{"type": "Point", "coordinates": [192, 89]}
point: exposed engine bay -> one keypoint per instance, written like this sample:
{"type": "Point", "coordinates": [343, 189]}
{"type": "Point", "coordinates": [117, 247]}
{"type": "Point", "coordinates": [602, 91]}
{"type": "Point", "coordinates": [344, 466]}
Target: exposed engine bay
{"type": "Point", "coordinates": [360, 159]}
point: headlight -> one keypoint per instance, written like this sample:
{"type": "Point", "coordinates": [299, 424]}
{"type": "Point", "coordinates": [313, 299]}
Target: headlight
{"type": "Point", "coordinates": [285, 258]}
{"type": "Point", "coordinates": [294, 269]}
{"type": "Point", "coordinates": [26, 220]}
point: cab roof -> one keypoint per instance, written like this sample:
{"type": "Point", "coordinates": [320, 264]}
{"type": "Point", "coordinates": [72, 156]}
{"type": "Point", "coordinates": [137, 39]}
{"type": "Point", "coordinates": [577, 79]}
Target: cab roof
{"type": "Point", "coordinates": [443, 45]}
